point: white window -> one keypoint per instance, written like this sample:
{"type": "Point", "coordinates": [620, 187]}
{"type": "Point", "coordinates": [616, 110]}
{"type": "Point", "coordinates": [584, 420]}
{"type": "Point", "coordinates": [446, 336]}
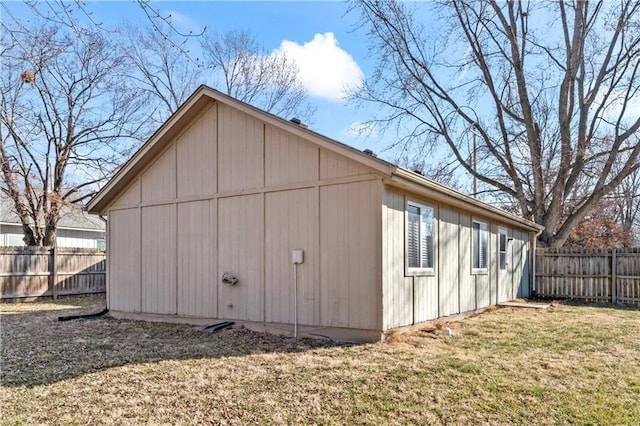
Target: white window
{"type": "Point", "coordinates": [420, 226]}
{"type": "Point", "coordinates": [479, 244]}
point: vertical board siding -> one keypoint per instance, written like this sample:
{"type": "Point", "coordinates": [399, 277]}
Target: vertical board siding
{"type": "Point", "coordinates": [196, 156]}
{"type": "Point", "coordinates": [397, 290]}
{"type": "Point", "coordinates": [483, 282]}
{"type": "Point", "coordinates": [159, 259]}
{"type": "Point", "coordinates": [197, 283]}
{"type": "Point", "coordinates": [130, 197]}
{"type": "Point", "coordinates": [588, 274]}
{"type": "Point", "coordinates": [453, 288]}
{"type": "Point", "coordinates": [232, 194]}
{"type": "Point", "coordinates": [467, 279]}
{"type": "Point", "coordinates": [494, 264]}
{"type": "Point", "coordinates": [159, 181]}
{"type": "Point", "coordinates": [123, 287]}
{"type": "Point", "coordinates": [290, 217]}
{"type": "Point", "coordinates": [349, 284]}
{"type": "Point", "coordinates": [193, 222]}
{"type": "Point", "coordinates": [522, 289]}
{"type": "Point", "coordinates": [336, 166]}
{"type": "Point", "coordinates": [449, 269]}
{"type": "Point", "coordinates": [241, 245]}
{"type": "Point", "coordinates": [425, 305]}
{"type": "Point", "coordinates": [288, 158]}
{"type": "Point", "coordinates": [240, 150]}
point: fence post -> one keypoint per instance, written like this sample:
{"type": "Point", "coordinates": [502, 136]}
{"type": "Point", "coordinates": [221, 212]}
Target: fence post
{"type": "Point", "coordinates": [54, 271]}
{"type": "Point", "coordinates": [614, 278]}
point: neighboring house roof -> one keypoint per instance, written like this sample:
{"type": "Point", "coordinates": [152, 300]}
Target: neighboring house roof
{"type": "Point", "coordinates": [393, 174]}
{"type": "Point", "coordinates": [71, 217]}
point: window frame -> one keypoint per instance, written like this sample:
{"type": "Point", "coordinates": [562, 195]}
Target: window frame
{"type": "Point", "coordinates": [485, 269]}
{"type": "Point", "coordinates": [420, 271]}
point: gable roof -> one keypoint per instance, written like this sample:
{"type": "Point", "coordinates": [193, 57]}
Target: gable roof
{"type": "Point", "coordinates": [204, 96]}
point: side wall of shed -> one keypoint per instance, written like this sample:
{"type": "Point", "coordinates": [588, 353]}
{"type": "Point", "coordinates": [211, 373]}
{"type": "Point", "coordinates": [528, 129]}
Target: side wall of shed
{"type": "Point", "coordinates": [232, 194]}
{"type": "Point", "coordinates": [453, 287]}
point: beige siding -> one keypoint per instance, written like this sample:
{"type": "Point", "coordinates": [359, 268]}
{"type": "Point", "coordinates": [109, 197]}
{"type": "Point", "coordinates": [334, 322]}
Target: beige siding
{"type": "Point", "coordinates": [123, 286]}
{"type": "Point", "coordinates": [240, 252]}
{"type": "Point", "coordinates": [350, 295]}
{"type": "Point", "coordinates": [467, 279]}
{"type": "Point", "coordinates": [291, 224]}
{"type": "Point", "coordinates": [521, 274]}
{"type": "Point", "coordinates": [336, 166]}
{"type": "Point", "coordinates": [425, 306]}
{"type": "Point", "coordinates": [397, 289]}
{"type": "Point", "coordinates": [197, 283]}
{"type": "Point", "coordinates": [159, 259]}
{"type": "Point", "coordinates": [289, 159]}
{"type": "Point", "coordinates": [240, 150]}
{"type": "Point", "coordinates": [494, 264]}
{"type": "Point", "coordinates": [159, 181]}
{"type": "Point", "coordinates": [482, 290]}
{"type": "Point", "coordinates": [453, 288]}
{"type": "Point", "coordinates": [205, 201]}
{"type": "Point", "coordinates": [129, 197]}
{"type": "Point", "coordinates": [448, 273]}
{"type": "Point", "coordinates": [196, 156]}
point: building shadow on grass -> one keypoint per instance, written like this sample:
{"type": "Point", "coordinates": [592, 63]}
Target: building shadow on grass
{"type": "Point", "coordinates": [37, 349]}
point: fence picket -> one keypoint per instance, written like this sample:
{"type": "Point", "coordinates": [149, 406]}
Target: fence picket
{"type": "Point", "coordinates": [594, 275]}
{"type": "Point", "coordinates": [44, 271]}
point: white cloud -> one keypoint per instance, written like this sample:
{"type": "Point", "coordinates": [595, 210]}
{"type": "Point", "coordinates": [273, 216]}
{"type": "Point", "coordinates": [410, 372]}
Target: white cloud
{"type": "Point", "coordinates": [326, 70]}
{"type": "Point", "coordinates": [360, 129]}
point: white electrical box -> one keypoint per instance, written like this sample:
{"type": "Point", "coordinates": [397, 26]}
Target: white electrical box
{"type": "Point", "coordinates": [297, 256]}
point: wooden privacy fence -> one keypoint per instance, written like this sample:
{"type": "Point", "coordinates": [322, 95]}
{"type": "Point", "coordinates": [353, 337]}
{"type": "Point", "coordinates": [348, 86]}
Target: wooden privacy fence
{"type": "Point", "coordinates": [51, 271]}
{"type": "Point", "coordinates": [594, 275]}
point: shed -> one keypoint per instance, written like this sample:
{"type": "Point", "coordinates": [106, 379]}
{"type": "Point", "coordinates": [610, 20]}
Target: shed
{"type": "Point", "coordinates": [224, 189]}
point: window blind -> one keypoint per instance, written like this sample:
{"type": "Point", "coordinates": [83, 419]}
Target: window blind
{"type": "Point", "coordinates": [413, 236]}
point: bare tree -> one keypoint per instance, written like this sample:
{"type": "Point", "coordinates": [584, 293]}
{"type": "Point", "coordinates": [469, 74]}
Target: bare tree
{"type": "Point", "coordinates": [244, 70]}
{"type": "Point", "coordinates": [67, 113]}
{"type": "Point", "coordinates": [548, 88]}
{"type": "Point", "coordinates": [164, 70]}
{"type": "Point", "coordinates": [627, 199]}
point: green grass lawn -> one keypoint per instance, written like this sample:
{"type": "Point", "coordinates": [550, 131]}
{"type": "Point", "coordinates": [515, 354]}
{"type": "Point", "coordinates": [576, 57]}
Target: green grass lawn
{"type": "Point", "coordinates": [568, 364]}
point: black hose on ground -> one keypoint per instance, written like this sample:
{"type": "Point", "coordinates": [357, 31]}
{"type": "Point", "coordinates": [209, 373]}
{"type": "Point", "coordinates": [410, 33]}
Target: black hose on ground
{"type": "Point", "coordinates": [96, 315]}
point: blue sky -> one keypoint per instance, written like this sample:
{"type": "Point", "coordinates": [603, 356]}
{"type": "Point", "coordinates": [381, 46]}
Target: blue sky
{"type": "Point", "coordinates": [321, 36]}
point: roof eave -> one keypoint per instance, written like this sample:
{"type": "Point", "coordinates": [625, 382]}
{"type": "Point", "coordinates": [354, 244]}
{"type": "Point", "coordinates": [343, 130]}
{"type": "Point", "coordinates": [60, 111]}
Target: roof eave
{"type": "Point", "coordinates": [419, 184]}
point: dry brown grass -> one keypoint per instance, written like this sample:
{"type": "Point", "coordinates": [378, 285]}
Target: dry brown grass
{"type": "Point", "coordinates": [569, 364]}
